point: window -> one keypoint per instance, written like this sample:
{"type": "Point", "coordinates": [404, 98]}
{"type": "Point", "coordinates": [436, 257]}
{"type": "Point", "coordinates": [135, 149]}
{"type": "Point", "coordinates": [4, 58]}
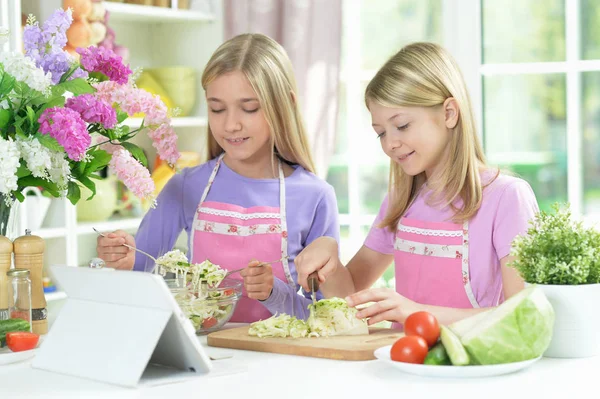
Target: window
{"type": "Point", "coordinates": [541, 107]}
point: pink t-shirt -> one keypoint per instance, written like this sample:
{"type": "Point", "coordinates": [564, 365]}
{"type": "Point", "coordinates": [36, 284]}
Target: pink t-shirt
{"type": "Point", "coordinates": [507, 207]}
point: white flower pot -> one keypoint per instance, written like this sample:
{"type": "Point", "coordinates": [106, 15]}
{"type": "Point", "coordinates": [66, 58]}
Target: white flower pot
{"type": "Point", "coordinates": [577, 323]}
{"type": "Point", "coordinates": [35, 208]}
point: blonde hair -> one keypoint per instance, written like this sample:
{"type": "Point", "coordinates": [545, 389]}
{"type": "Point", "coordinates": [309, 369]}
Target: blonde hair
{"type": "Point", "coordinates": [425, 75]}
{"type": "Point", "coordinates": [269, 71]}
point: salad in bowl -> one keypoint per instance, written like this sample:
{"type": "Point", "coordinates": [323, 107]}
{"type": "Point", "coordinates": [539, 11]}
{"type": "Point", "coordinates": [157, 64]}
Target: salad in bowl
{"type": "Point", "coordinates": [205, 296]}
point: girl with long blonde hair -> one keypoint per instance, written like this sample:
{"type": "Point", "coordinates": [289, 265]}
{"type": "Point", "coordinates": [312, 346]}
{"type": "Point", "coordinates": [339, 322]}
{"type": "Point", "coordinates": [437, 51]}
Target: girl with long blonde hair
{"type": "Point", "coordinates": [257, 201]}
{"type": "Point", "coordinates": [448, 220]}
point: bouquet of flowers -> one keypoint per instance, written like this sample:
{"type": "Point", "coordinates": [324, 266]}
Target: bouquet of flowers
{"type": "Point", "coordinates": [61, 118]}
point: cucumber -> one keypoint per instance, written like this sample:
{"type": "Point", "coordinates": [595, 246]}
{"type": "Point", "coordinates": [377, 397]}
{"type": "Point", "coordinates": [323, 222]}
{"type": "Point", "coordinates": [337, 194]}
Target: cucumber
{"type": "Point", "coordinates": [12, 325]}
{"type": "Point", "coordinates": [437, 356]}
{"type": "Point", "coordinates": [456, 351]}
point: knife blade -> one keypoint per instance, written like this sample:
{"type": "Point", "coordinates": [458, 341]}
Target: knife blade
{"type": "Point", "coordinates": [313, 283]}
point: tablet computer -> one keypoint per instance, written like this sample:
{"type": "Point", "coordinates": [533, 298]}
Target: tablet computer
{"type": "Point", "coordinates": [120, 327]}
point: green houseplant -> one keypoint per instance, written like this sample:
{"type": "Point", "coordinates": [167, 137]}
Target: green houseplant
{"type": "Point", "coordinates": [562, 256]}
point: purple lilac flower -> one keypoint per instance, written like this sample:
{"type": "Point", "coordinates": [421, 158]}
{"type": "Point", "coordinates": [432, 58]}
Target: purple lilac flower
{"type": "Point", "coordinates": [45, 46]}
{"type": "Point", "coordinates": [67, 127]}
{"type": "Point", "coordinates": [57, 63]}
{"type": "Point", "coordinates": [33, 43]}
{"type": "Point", "coordinates": [54, 30]}
{"type": "Point", "coordinates": [93, 110]}
{"type": "Point", "coordinates": [103, 60]}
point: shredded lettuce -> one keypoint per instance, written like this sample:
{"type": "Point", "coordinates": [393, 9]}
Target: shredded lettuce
{"type": "Point", "coordinates": [328, 317]}
{"type": "Point", "coordinates": [282, 326]}
{"type": "Point", "coordinates": [176, 262]}
{"type": "Point", "coordinates": [198, 303]}
{"type": "Point", "coordinates": [333, 316]}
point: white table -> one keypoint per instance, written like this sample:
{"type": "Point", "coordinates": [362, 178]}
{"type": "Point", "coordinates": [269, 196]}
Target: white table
{"type": "Point", "coordinates": [281, 376]}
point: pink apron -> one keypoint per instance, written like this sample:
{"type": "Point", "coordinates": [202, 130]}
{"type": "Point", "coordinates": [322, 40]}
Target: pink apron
{"type": "Point", "coordinates": [432, 263]}
{"type": "Point", "coordinates": [230, 236]}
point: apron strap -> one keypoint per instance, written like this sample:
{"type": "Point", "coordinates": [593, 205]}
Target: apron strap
{"type": "Point", "coordinates": [284, 231]}
{"type": "Point", "coordinates": [465, 266]}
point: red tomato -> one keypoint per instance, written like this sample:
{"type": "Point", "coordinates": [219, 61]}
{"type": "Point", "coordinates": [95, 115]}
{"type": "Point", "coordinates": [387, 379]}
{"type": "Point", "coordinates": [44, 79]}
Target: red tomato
{"type": "Point", "coordinates": [228, 292]}
{"type": "Point", "coordinates": [424, 325]}
{"type": "Point", "coordinates": [209, 322]}
{"type": "Point", "coordinates": [21, 341]}
{"type": "Point", "coordinates": [409, 349]}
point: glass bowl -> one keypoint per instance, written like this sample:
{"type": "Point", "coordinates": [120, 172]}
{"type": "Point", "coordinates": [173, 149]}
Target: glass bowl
{"type": "Point", "coordinates": [208, 308]}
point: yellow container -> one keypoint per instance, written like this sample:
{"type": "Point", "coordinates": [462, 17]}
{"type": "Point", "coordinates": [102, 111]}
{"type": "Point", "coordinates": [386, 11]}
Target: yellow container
{"type": "Point", "coordinates": [180, 85]}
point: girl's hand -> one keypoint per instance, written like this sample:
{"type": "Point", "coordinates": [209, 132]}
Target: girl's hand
{"type": "Point", "coordinates": [321, 255]}
{"type": "Point", "coordinates": [111, 250]}
{"type": "Point", "coordinates": [388, 305]}
{"type": "Point", "coordinates": [258, 280]}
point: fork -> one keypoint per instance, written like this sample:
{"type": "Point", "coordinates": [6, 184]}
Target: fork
{"type": "Point", "coordinates": [129, 246]}
{"type": "Point", "coordinates": [261, 263]}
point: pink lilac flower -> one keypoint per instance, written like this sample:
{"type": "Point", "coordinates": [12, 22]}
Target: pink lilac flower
{"type": "Point", "coordinates": [103, 60]}
{"type": "Point", "coordinates": [164, 139]}
{"type": "Point", "coordinates": [93, 110]}
{"type": "Point", "coordinates": [67, 127]}
{"type": "Point", "coordinates": [133, 174]}
{"type": "Point", "coordinates": [133, 100]}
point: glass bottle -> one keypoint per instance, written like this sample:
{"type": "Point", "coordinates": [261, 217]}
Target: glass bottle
{"type": "Point", "coordinates": [19, 294]}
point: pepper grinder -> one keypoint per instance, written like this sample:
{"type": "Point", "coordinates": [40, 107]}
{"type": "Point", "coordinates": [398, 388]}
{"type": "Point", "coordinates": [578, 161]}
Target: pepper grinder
{"type": "Point", "coordinates": [6, 249]}
{"type": "Point", "coordinates": [29, 254]}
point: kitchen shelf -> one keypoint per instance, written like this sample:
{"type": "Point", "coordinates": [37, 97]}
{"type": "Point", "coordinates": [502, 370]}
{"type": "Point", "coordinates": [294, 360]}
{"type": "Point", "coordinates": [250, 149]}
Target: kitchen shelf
{"type": "Point", "coordinates": [50, 232]}
{"type": "Point", "coordinates": [152, 14]}
{"type": "Point", "coordinates": [108, 225]}
{"type": "Point", "coordinates": [186, 121]}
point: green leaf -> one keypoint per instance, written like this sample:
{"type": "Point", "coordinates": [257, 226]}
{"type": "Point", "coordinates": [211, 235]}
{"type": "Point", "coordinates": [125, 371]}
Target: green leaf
{"type": "Point", "coordinates": [49, 142]}
{"type": "Point", "coordinates": [7, 83]}
{"type": "Point", "coordinates": [23, 170]}
{"type": "Point", "coordinates": [57, 101]}
{"type": "Point", "coordinates": [68, 74]}
{"type": "Point", "coordinates": [5, 115]}
{"type": "Point", "coordinates": [20, 132]}
{"type": "Point", "coordinates": [38, 99]}
{"type": "Point", "coordinates": [31, 115]}
{"type": "Point", "coordinates": [29, 181]}
{"type": "Point", "coordinates": [137, 153]}
{"type": "Point", "coordinates": [19, 195]}
{"type": "Point", "coordinates": [100, 159]}
{"type": "Point", "coordinates": [98, 76]}
{"type": "Point", "coordinates": [121, 116]}
{"type": "Point", "coordinates": [77, 86]}
{"type": "Point", "coordinates": [21, 89]}
{"type": "Point", "coordinates": [86, 181]}
{"type": "Point", "coordinates": [74, 193]}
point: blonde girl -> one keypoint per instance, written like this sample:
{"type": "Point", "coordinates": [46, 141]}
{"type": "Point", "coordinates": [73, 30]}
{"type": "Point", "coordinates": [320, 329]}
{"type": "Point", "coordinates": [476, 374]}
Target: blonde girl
{"type": "Point", "coordinates": [448, 220]}
{"type": "Point", "coordinates": [257, 197]}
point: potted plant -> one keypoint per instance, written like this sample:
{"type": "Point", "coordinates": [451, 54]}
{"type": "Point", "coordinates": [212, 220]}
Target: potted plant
{"type": "Point", "coordinates": [562, 257]}
{"type": "Point", "coordinates": [62, 118]}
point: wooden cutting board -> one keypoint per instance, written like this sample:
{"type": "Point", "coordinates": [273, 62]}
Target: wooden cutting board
{"type": "Point", "coordinates": [356, 347]}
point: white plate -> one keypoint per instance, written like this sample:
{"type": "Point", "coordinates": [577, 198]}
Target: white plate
{"type": "Point", "coordinates": [426, 370]}
{"type": "Point", "coordinates": [7, 356]}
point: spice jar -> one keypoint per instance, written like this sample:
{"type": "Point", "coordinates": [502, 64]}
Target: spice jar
{"type": "Point", "coordinates": [19, 294]}
{"type": "Point", "coordinates": [6, 250]}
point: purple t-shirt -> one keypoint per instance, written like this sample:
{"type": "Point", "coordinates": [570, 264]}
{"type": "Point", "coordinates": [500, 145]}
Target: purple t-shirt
{"type": "Point", "coordinates": [507, 207]}
{"type": "Point", "coordinates": [311, 213]}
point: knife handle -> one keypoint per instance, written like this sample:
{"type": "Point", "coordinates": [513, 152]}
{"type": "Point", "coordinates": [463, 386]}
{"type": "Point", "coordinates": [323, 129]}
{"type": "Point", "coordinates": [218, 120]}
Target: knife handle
{"type": "Point", "coordinates": [313, 282]}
